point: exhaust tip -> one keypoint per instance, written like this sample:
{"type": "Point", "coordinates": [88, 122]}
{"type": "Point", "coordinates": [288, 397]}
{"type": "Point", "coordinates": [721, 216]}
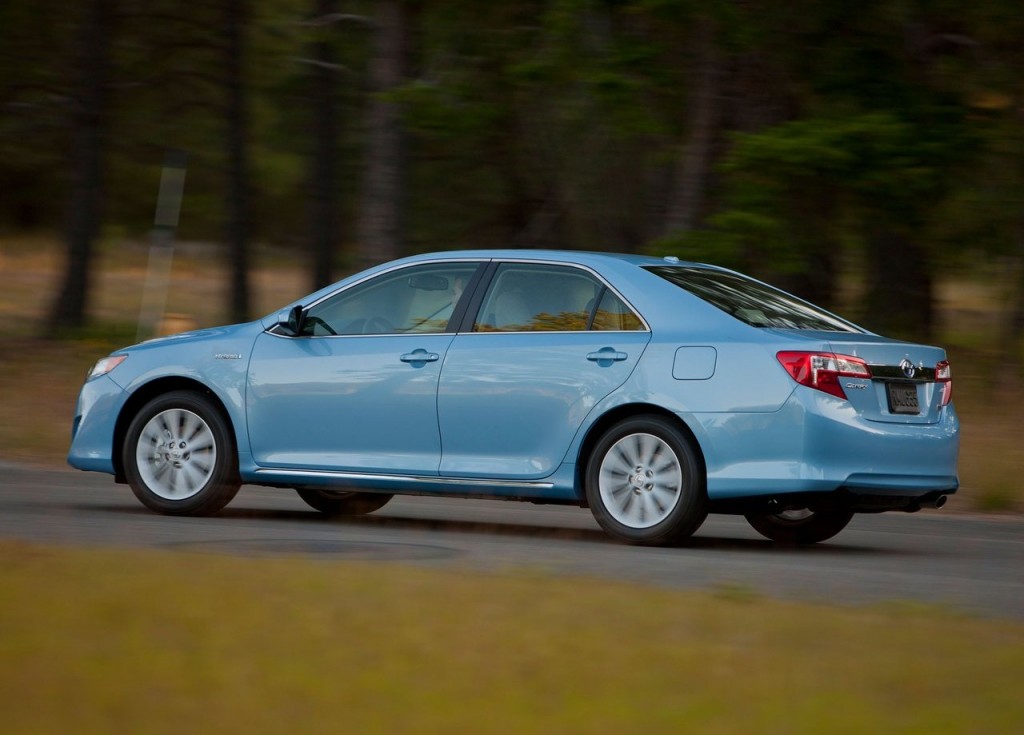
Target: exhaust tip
{"type": "Point", "coordinates": [935, 502]}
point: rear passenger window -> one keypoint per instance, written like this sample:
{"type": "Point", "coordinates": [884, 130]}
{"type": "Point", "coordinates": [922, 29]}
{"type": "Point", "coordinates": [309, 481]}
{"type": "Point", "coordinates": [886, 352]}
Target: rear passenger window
{"type": "Point", "coordinates": [526, 297]}
{"type": "Point", "coordinates": [613, 315]}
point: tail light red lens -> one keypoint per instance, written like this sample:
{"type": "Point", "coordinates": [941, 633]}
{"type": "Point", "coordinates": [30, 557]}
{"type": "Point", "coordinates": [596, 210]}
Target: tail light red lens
{"type": "Point", "coordinates": [822, 370]}
{"type": "Point", "coordinates": [944, 378]}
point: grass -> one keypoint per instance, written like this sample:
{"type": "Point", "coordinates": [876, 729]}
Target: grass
{"type": "Point", "coordinates": [152, 642]}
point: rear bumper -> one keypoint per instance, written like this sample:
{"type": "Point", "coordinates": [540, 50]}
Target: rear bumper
{"type": "Point", "coordinates": [816, 443]}
{"type": "Point", "coordinates": [841, 499]}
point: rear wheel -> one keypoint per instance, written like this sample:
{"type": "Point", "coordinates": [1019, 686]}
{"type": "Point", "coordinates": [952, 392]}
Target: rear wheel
{"type": "Point", "coordinates": [179, 455]}
{"type": "Point", "coordinates": [645, 484]}
{"type": "Point", "coordinates": [800, 526]}
{"type": "Point", "coordinates": [334, 503]}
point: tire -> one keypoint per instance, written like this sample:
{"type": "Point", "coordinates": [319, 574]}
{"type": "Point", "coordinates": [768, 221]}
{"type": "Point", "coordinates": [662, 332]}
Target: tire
{"type": "Point", "coordinates": [179, 455]}
{"type": "Point", "coordinates": [645, 483]}
{"type": "Point", "coordinates": [343, 503]}
{"type": "Point", "coordinates": [802, 526]}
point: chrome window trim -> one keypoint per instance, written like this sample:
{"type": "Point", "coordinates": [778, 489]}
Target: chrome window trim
{"type": "Point", "coordinates": [562, 331]}
{"type": "Point", "coordinates": [361, 336]}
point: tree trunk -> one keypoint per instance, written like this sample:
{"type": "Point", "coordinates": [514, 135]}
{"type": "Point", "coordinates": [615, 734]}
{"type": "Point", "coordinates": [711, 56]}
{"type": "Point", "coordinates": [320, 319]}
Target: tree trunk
{"type": "Point", "coordinates": [381, 211]}
{"type": "Point", "coordinates": [1007, 378]}
{"type": "Point", "coordinates": [89, 100]}
{"type": "Point", "coordinates": [323, 201]}
{"type": "Point", "coordinates": [816, 280]}
{"type": "Point", "coordinates": [814, 218]}
{"type": "Point", "coordinates": [1016, 321]}
{"type": "Point", "coordinates": [690, 182]}
{"type": "Point", "coordinates": [238, 206]}
{"type": "Point", "coordinates": [899, 298]}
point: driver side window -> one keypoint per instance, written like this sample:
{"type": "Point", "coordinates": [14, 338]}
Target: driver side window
{"type": "Point", "coordinates": [417, 299]}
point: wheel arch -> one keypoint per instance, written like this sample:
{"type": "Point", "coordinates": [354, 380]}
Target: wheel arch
{"type": "Point", "coordinates": [143, 395]}
{"type": "Point", "coordinates": [614, 416]}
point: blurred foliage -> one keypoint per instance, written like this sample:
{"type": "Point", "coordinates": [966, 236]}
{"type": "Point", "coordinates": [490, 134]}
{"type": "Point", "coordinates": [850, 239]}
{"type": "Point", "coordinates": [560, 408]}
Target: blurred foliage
{"type": "Point", "coordinates": [873, 142]}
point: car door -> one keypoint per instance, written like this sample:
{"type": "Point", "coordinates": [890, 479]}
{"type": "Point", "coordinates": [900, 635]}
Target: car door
{"type": "Point", "coordinates": [547, 343]}
{"type": "Point", "coordinates": [356, 390]}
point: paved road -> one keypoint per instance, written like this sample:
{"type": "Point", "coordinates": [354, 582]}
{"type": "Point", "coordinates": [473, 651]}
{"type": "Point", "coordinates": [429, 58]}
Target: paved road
{"type": "Point", "coordinates": [971, 563]}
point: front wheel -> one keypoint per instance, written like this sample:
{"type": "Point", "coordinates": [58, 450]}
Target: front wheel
{"type": "Point", "coordinates": [645, 483]}
{"type": "Point", "coordinates": [800, 526]}
{"type": "Point", "coordinates": [343, 503]}
{"type": "Point", "coordinates": [179, 455]}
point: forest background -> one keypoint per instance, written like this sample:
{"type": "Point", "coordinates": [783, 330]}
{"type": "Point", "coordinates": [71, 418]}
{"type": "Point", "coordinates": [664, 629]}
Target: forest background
{"type": "Point", "coordinates": [867, 155]}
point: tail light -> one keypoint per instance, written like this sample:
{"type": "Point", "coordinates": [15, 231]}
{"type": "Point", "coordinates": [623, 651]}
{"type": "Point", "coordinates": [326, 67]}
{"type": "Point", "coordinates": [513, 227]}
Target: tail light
{"type": "Point", "coordinates": [822, 370]}
{"type": "Point", "coordinates": [944, 378]}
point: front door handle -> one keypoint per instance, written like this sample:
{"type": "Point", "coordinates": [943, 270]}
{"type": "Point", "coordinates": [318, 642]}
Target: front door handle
{"type": "Point", "coordinates": [607, 354]}
{"type": "Point", "coordinates": [420, 356]}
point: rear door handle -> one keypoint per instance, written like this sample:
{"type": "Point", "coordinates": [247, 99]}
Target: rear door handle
{"type": "Point", "coordinates": [419, 356]}
{"type": "Point", "coordinates": [607, 354]}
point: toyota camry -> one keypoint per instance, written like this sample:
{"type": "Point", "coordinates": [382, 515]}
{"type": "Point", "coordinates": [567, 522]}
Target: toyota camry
{"type": "Point", "coordinates": [650, 390]}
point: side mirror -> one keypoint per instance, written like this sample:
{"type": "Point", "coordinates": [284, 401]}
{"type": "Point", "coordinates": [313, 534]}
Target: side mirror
{"type": "Point", "coordinates": [296, 320]}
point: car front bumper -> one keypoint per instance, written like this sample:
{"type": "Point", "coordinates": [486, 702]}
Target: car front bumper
{"type": "Point", "coordinates": [92, 433]}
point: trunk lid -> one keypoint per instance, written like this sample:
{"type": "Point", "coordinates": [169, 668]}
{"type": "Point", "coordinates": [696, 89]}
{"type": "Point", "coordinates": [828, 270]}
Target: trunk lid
{"type": "Point", "coordinates": [902, 388]}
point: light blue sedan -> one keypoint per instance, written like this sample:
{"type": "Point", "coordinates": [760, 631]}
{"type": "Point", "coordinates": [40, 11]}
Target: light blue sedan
{"type": "Point", "coordinates": [651, 390]}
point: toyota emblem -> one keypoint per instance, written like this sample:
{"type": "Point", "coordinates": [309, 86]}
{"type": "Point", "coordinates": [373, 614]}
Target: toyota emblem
{"type": "Point", "coordinates": [908, 368]}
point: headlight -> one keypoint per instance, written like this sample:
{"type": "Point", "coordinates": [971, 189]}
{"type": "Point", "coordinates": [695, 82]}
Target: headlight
{"type": "Point", "coordinates": [104, 366]}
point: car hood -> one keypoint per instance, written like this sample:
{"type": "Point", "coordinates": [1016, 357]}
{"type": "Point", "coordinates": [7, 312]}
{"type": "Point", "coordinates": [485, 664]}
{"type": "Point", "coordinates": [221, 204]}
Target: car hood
{"type": "Point", "coordinates": [229, 332]}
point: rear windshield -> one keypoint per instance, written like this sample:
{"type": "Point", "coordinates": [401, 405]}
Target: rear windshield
{"type": "Point", "coordinates": [755, 303]}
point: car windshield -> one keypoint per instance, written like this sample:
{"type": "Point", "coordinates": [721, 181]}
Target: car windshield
{"type": "Point", "coordinates": [750, 301]}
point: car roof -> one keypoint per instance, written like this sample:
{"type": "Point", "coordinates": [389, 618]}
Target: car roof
{"type": "Point", "coordinates": [582, 257]}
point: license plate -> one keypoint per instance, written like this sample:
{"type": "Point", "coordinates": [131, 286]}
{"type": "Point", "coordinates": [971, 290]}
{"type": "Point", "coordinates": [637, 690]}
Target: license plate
{"type": "Point", "coordinates": [903, 398]}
